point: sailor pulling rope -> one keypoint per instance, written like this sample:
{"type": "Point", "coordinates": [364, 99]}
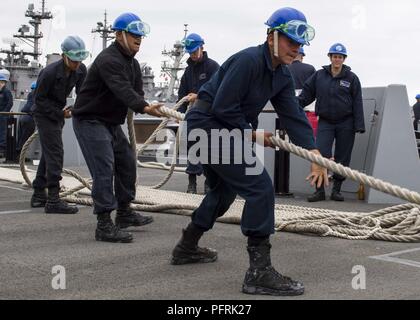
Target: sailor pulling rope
{"type": "Point", "coordinates": [399, 219]}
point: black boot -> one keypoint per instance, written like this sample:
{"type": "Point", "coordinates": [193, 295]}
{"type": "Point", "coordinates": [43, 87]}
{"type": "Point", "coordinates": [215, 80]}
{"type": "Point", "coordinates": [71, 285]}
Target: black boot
{"type": "Point", "coordinates": [187, 251]}
{"type": "Point", "coordinates": [261, 278]}
{"type": "Point", "coordinates": [55, 205]}
{"type": "Point", "coordinates": [39, 198]}
{"type": "Point", "coordinates": [127, 217]}
{"type": "Point", "coordinates": [319, 195]}
{"type": "Point", "coordinates": [336, 195]}
{"type": "Point", "coordinates": [192, 184]}
{"type": "Point", "coordinates": [106, 230]}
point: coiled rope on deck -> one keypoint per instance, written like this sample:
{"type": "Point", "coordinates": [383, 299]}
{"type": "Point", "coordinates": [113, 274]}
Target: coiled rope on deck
{"type": "Point", "coordinates": [397, 224]}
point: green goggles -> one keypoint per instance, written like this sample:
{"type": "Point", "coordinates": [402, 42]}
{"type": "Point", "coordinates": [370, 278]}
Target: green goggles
{"type": "Point", "coordinates": [299, 31]}
{"type": "Point", "coordinates": [77, 55]}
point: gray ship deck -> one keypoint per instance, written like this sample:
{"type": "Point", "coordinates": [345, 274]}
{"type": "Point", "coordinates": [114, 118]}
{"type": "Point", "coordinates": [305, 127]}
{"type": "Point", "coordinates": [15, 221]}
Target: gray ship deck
{"type": "Point", "coordinates": [32, 243]}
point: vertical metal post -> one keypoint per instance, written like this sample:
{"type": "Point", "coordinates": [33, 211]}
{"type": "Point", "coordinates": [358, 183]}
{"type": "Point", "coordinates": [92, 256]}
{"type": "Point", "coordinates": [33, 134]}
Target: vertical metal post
{"type": "Point", "coordinates": [11, 140]}
{"type": "Point", "coordinates": [282, 167]}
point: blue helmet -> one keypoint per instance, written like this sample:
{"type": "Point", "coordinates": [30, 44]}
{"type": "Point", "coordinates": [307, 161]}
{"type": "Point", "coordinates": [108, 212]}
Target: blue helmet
{"type": "Point", "coordinates": [338, 48]}
{"type": "Point", "coordinates": [418, 96]}
{"type": "Point", "coordinates": [3, 77]}
{"type": "Point", "coordinates": [131, 23]}
{"type": "Point", "coordinates": [74, 48]}
{"type": "Point", "coordinates": [293, 24]}
{"type": "Point", "coordinates": [192, 42]}
{"type": "Point", "coordinates": [5, 73]}
{"type": "Point", "coordinates": [33, 85]}
{"type": "Point", "coordinates": [302, 51]}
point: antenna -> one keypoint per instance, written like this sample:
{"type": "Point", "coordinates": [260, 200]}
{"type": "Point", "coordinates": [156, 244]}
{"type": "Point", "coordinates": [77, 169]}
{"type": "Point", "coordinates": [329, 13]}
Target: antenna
{"type": "Point", "coordinates": [105, 31]}
{"type": "Point", "coordinates": [36, 21]}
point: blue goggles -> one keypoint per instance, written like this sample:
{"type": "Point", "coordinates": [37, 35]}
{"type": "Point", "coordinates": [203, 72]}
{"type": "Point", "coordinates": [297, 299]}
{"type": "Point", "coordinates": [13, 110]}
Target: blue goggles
{"type": "Point", "coordinates": [299, 31]}
{"type": "Point", "coordinates": [138, 28]}
{"type": "Point", "coordinates": [191, 42]}
{"type": "Point", "coordinates": [191, 45]}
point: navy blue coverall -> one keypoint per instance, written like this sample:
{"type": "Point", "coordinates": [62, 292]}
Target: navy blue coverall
{"type": "Point", "coordinates": [235, 96]}
{"type": "Point", "coordinates": [53, 88]}
{"type": "Point", "coordinates": [301, 72]}
{"type": "Point", "coordinates": [339, 105]}
{"type": "Point", "coordinates": [6, 104]}
{"type": "Point", "coordinates": [195, 75]}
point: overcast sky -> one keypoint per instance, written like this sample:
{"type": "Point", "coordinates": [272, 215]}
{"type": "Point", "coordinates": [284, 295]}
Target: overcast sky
{"type": "Point", "coordinates": [381, 36]}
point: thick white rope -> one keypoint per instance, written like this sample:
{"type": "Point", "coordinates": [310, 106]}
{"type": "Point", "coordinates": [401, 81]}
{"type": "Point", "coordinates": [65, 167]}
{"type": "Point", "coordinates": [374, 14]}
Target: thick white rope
{"type": "Point", "coordinates": [377, 184]}
{"type": "Point", "coordinates": [151, 139]}
{"type": "Point", "coordinates": [398, 224]}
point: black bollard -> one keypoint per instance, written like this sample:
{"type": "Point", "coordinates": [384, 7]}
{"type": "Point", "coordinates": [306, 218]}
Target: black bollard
{"type": "Point", "coordinates": [11, 140]}
{"type": "Point", "coordinates": [282, 167]}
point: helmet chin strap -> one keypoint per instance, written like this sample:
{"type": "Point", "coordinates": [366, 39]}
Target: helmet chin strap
{"type": "Point", "coordinates": [276, 43]}
{"type": "Point", "coordinates": [126, 42]}
{"type": "Point", "coordinates": [66, 62]}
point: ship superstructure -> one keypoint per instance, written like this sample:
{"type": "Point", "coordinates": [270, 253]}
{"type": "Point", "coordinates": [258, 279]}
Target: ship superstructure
{"type": "Point", "coordinates": [22, 70]}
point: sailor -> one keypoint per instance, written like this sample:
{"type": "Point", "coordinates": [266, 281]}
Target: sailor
{"type": "Point", "coordinates": [6, 104]}
{"type": "Point", "coordinates": [54, 84]}
{"type": "Point", "coordinates": [339, 106]}
{"type": "Point", "coordinates": [301, 72]}
{"type": "Point", "coordinates": [5, 73]}
{"type": "Point", "coordinates": [231, 101]}
{"type": "Point", "coordinates": [113, 85]}
{"type": "Point", "coordinates": [26, 125]}
{"type": "Point", "coordinates": [200, 69]}
{"type": "Point", "coordinates": [416, 110]}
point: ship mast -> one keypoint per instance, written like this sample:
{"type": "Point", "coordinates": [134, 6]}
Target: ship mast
{"type": "Point", "coordinates": [172, 69]}
{"type": "Point", "coordinates": [105, 31]}
{"type": "Point", "coordinates": [23, 71]}
{"type": "Point", "coordinates": [33, 40]}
